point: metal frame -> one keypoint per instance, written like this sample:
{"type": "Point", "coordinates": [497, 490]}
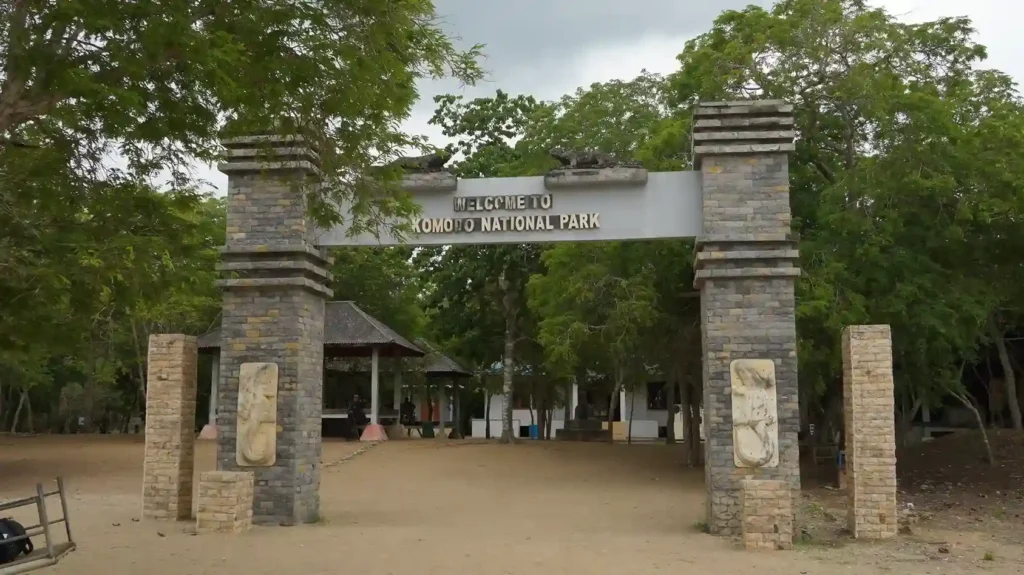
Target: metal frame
{"type": "Point", "coordinates": [50, 552]}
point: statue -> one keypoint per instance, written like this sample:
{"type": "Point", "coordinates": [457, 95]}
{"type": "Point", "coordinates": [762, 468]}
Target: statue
{"type": "Point", "coordinates": [428, 163]}
{"type": "Point", "coordinates": [257, 415]}
{"type": "Point", "coordinates": [573, 160]}
{"type": "Point", "coordinates": [754, 413]}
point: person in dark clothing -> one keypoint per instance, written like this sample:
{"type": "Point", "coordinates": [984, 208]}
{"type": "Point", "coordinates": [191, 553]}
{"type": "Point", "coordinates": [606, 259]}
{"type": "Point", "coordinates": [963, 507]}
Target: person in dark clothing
{"type": "Point", "coordinates": [407, 412]}
{"type": "Point", "coordinates": [356, 412]}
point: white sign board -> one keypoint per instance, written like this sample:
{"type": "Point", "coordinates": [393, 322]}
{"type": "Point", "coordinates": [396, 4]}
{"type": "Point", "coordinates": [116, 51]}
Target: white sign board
{"type": "Point", "coordinates": [523, 210]}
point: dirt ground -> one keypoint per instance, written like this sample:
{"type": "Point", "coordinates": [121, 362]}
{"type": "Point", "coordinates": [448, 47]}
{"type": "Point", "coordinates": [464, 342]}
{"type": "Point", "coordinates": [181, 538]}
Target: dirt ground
{"type": "Point", "coordinates": [430, 507]}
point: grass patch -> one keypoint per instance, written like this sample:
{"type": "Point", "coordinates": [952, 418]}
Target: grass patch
{"type": "Point", "coordinates": [989, 556]}
{"type": "Point", "coordinates": [702, 526]}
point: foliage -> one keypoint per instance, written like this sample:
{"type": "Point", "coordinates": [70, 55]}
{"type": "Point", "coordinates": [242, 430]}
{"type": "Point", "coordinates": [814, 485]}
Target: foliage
{"type": "Point", "coordinates": [905, 188]}
{"type": "Point", "coordinates": [385, 284]}
{"type": "Point", "coordinates": [156, 81]}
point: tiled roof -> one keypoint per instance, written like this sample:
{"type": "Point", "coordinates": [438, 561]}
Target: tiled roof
{"type": "Point", "coordinates": [346, 325]}
{"type": "Point", "coordinates": [437, 363]}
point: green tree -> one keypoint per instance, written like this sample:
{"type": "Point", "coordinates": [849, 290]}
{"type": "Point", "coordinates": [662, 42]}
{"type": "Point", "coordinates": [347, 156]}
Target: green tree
{"type": "Point", "coordinates": [384, 282]}
{"type": "Point", "coordinates": [156, 80]}
{"type": "Point", "coordinates": [902, 168]}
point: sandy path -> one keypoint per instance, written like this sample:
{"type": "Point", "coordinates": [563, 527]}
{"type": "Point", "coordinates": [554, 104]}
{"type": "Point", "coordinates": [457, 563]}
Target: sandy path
{"type": "Point", "coordinates": [430, 507]}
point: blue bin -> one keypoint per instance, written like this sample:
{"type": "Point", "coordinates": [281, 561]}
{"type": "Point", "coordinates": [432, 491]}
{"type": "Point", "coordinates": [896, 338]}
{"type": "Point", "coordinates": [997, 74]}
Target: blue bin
{"type": "Point", "coordinates": [534, 432]}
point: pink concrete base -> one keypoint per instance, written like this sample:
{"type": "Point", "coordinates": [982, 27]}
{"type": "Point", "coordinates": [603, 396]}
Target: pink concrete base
{"type": "Point", "coordinates": [209, 432]}
{"type": "Point", "coordinates": [374, 432]}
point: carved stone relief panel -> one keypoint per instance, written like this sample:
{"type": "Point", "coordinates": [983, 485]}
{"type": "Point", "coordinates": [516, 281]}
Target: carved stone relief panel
{"type": "Point", "coordinates": [755, 419]}
{"type": "Point", "coordinates": [257, 415]}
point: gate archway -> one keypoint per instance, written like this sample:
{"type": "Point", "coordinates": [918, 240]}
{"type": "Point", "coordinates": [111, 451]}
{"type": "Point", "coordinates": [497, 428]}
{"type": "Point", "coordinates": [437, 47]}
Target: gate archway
{"type": "Point", "coordinates": [736, 203]}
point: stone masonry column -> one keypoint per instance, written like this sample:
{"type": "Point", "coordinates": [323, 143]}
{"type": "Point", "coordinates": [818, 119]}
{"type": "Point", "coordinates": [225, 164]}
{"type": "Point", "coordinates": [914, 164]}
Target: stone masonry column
{"type": "Point", "coordinates": [274, 292]}
{"type": "Point", "coordinates": [868, 411]}
{"type": "Point", "coordinates": [170, 427]}
{"type": "Point", "coordinates": [746, 269]}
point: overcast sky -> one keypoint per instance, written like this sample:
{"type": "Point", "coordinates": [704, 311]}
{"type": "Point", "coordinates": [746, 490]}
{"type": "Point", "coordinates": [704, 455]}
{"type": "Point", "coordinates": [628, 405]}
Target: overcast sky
{"type": "Point", "coordinates": [547, 48]}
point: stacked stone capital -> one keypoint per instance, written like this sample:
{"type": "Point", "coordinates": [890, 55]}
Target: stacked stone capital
{"type": "Point", "coordinates": [870, 431]}
{"type": "Point", "coordinates": [767, 514]}
{"type": "Point", "coordinates": [225, 502]}
{"type": "Point", "coordinates": [275, 282]}
{"type": "Point", "coordinates": [170, 421]}
{"type": "Point", "coordinates": [746, 269]}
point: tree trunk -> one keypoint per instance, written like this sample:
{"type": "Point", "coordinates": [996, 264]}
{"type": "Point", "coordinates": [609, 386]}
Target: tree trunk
{"type": "Point", "coordinates": [28, 412]}
{"type": "Point", "coordinates": [539, 421]}
{"type": "Point", "coordinates": [684, 408]}
{"type": "Point", "coordinates": [629, 426]}
{"type": "Point", "coordinates": [17, 413]}
{"type": "Point", "coordinates": [1009, 377]}
{"type": "Point", "coordinates": [670, 418]}
{"type": "Point", "coordinates": [981, 424]}
{"type": "Point", "coordinates": [456, 410]}
{"type": "Point", "coordinates": [906, 422]}
{"type": "Point", "coordinates": [694, 431]}
{"type": "Point", "coordinates": [567, 409]}
{"type": "Point", "coordinates": [508, 301]}
{"type": "Point", "coordinates": [487, 415]}
{"type": "Point", "coordinates": [612, 402]}
{"type": "Point", "coordinates": [550, 417]}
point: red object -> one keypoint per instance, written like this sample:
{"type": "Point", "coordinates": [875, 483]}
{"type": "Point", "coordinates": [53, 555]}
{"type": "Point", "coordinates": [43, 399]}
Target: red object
{"type": "Point", "coordinates": [374, 432]}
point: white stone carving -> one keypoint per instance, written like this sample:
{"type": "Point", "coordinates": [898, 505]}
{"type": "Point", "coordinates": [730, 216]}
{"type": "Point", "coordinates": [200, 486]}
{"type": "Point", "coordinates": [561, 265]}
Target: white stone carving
{"type": "Point", "coordinates": [256, 445]}
{"type": "Point", "coordinates": [755, 420]}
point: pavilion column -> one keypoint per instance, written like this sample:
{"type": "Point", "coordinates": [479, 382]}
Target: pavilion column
{"type": "Point", "coordinates": [442, 409]}
{"type": "Point", "coordinates": [746, 270]}
{"type": "Point", "coordinates": [398, 386]}
{"type": "Point", "coordinates": [374, 431]}
{"type": "Point", "coordinates": [374, 386]}
{"type": "Point", "coordinates": [272, 326]}
{"type": "Point", "coordinates": [456, 409]}
{"type": "Point", "coordinates": [623, 412]}
{"type": "Point", "coordinates": [574, 400]}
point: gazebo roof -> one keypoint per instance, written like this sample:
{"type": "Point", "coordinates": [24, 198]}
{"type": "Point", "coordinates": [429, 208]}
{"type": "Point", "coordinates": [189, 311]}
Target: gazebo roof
{"type": "Point", "coordinates": [438, 364]}
{"type": "Point", "coordinates": [348, 332]}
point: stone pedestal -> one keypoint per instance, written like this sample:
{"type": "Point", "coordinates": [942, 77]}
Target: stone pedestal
{"type": "Point", "coordinates": [170, 420]}
{"type": "Point", "coordinates": [274, 292]}
{"type": "Point", "coordinates": [396, 431]}
{"type": "Point", "coordinates": [767, 514]}
{"type": "Point", "coordinates": [746, 270]}
{"type": "Point", "coordinates": [225, 502]}
{"type": "Point", "coordinates": [868, 410]}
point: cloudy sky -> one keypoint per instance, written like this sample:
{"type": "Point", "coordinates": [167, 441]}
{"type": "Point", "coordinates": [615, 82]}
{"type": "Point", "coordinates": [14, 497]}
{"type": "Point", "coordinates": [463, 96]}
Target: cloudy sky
{"type": "Point", "coordinates": [547, 48]}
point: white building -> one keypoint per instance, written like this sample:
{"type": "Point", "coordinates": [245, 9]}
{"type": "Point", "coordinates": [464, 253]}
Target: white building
{"type": "Point", "coordinates": [649, 415]}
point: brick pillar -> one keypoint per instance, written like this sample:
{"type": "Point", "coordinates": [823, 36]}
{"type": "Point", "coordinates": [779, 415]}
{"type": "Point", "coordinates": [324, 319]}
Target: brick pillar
{"type": "Point", "coordinates": [746, 269]}
{"type": "Point", "coordinates": [274, 293]}
{"type": "Point", "coordinates": [870, 434]}
{"type": "Point", "coordinates": [170, 427]}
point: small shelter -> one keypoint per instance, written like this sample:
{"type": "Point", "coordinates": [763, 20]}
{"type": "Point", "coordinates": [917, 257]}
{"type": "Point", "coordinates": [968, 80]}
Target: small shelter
{"type": "Point", "coordinates": [437, 368]}
{"type": "Point", "coordinates": [349, 332]}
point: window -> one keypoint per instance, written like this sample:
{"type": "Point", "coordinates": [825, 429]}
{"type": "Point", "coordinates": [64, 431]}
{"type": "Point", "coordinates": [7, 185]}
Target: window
{"type": "Point", "coordinates": [657, 396]}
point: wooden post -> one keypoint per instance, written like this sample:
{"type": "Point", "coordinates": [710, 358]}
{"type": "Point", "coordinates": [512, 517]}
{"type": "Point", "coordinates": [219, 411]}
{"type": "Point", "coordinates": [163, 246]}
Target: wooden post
{"type": "Point", "coordinates": [64, 507]}
{"type": "Point", "coordinates": [44, 521]}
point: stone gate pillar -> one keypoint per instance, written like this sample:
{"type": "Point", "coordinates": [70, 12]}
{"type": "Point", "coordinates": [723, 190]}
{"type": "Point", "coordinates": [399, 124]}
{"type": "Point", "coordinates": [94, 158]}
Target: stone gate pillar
{"type": "Point", "coordinates": [274, 292]}
{"type": "Point", "coordinates": [746, 269]}
{"type": "Point", "coordinates": [869, 414]}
